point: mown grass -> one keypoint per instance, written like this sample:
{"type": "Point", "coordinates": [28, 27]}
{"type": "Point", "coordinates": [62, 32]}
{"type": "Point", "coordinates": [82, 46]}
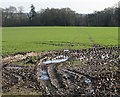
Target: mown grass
{"type": "Point", "coordinates": [24, 39]}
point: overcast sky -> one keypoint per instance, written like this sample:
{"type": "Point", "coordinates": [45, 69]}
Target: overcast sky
{"type": "Point", "coordinates": [80, 6]}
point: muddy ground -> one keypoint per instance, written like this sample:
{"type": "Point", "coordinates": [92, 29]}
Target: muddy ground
{"type": "Point", "coordinates": [86, 72]}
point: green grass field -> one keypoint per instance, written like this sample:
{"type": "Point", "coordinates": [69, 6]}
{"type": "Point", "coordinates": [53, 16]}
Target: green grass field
{"type": "Point", "coordinates": [23, 39]}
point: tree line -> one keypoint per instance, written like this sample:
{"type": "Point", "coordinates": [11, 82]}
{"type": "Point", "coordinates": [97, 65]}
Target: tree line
{"type": "Point", "coordinates": [13, 16]}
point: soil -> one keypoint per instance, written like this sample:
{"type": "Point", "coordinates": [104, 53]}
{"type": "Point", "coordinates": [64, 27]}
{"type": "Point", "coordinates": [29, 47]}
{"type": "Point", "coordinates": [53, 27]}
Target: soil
{"type": "Point", "coordinates": [86, 72]}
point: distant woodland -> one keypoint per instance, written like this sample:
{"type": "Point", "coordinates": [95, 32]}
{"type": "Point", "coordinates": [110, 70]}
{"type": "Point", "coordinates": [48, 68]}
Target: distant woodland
{"type": "Point", "coordinates": [13, 16]}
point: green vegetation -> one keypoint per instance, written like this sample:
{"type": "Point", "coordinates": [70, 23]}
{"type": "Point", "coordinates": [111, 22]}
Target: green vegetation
{"type": "Point", "coordinates": [22, 39]}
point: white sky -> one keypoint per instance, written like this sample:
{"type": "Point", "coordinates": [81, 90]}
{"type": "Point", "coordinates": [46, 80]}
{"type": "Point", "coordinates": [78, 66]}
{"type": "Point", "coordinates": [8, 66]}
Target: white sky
{"type": "Point", "coordinates": [80, 6]}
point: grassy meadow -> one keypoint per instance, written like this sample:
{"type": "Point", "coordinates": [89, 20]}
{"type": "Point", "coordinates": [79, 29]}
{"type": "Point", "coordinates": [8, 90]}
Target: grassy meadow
{"type": "Point", "coordinates": [24, 39]}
